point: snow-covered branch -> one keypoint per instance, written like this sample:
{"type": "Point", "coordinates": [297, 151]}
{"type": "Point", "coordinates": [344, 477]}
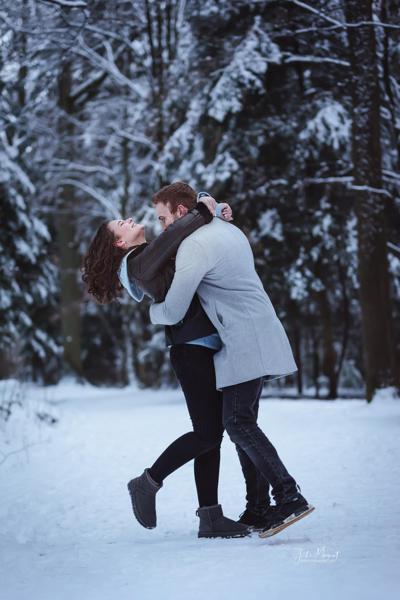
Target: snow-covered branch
{"type": "Point", "coordinates": [344, 25]}
{"type": "Point", "coordinates": [67, 3]}
{"type": "Point", "coordinates": [138, 139]}
{"type": "Point", "coordinates": [391, 175]}
{"type": "Point", "coordinates": [372, 190]}
{"type": "Point", "coordinates": [315, 11]}
{"type": "Point", "coordinates": [87, 85]}
{"type": "Point", "coordinates": [62, 163]}
{"type": "Point", "coordinates": [108, 64]}
{"type": "Point", "coordinates": [287, 57]}
{"type": "Point", "coordinates": [108, 34]}
{"type": "Point", "coordinates": [317, 180]}
{"type": "Point", "coordinates": [335, 23]}
{"type": "Point", "coordinates": [107, 204]}
{"type": "Point", "coordinates": [393, 249]}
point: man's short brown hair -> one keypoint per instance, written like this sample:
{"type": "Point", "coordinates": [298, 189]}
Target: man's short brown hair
{"type": "Point", "coordinates": [174, 194]}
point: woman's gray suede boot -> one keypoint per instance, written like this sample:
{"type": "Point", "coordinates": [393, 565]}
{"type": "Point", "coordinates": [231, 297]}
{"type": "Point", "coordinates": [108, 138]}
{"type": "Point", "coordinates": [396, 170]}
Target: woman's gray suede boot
{"type": "Point", "coordinates": [213, 524]}
{"type": "Point", "coordinates": [143, 492]}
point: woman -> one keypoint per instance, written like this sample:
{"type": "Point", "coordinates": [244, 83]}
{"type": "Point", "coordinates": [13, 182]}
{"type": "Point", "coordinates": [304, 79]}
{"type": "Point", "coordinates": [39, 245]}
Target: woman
{"type": "Point", "coordinates": [120, 256]}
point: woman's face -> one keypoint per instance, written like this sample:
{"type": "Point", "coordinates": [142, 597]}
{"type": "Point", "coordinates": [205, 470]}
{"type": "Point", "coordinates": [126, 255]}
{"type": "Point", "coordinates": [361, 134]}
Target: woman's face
{"type": "Point", "coordinates": [127, 233]}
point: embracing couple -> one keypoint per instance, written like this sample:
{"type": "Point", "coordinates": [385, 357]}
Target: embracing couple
{"type": "Point", "coordinates": [225, 339]}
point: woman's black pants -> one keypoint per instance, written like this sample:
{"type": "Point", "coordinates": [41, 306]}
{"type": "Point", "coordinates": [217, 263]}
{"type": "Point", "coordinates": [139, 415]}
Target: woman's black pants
{"type": "Point", "coordinates": [194, 368]}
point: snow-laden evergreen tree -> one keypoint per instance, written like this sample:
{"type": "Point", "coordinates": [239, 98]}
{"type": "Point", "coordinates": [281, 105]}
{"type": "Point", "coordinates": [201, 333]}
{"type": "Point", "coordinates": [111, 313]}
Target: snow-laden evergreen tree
{"type": "Point", "coordinates": [250, 100]}
{"type": "Point", "coordinates": [28, 276]}
{"type": "Point", "coordinates": [28, 288]}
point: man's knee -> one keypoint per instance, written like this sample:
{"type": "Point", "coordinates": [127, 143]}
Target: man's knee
{"type": "Point", "coordinates": [209, 440]}
{"type": "Point", "coordinates": [232, 428]}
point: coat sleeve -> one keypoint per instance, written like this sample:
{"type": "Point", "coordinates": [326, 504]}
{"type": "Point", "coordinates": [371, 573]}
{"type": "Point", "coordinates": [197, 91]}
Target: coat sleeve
{"type": "Point", "coordinates": [146, 265]}
{"type": "Point", "coordinates": [191, 266]}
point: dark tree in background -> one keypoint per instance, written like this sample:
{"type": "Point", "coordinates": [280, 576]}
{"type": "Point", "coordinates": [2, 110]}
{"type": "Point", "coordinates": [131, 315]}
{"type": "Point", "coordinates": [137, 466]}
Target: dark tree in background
{"type": "Point", "coordinates": [288, 110]}
{"type": "Point", "coordinates": [381, 368]}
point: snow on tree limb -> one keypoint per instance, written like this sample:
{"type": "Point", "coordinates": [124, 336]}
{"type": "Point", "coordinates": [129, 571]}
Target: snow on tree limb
{"type": "Point", "coordinates": [20, 174]}
{"type": "Point", "coordinates": [87, 85]}
{"type": "Point", "coordinates": [315, 11]}
{"type": "Point", "coordinates": [287, 57]}
{"type": "Point", "coordinates": [67, 3]}
{"type": "Point", "coordinates": [335, 22]}
{"type": "Point", "coordinates": [391, 175]}
{"type": "Point", "coordinates": [73, 166]}
{"type": "Point", "coordinates": [369, 188]}
{"type": "Point", "coordinates": [245, 72]}
{"type": "Point", "coordinates": [138, 139]}
{"type": "Point", "coordinates": [109, 206]}
{"type": "Point", "coordinates": [393, 249]}
{"type": "Point", "coordinates": [346, 26]}
{"type": "Point", "coordinates": [326, 180]}
{"type": "Point", "coordinates": [109, 66]}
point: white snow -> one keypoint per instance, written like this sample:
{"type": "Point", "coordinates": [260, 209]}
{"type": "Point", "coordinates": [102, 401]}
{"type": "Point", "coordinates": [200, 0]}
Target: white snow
{"type": "Point", "coordinates": [244, 72]}
{"type": "Point", "coordinates": [67, 531]}
{"type": "Point", "coordinates": [270, 225]}
{"type": "Point", "coordinates": [331, 126]}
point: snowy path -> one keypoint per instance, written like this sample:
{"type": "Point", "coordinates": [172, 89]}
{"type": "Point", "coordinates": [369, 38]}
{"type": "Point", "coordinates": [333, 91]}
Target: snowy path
{"type": "Point", "coordinates": [67, 531]}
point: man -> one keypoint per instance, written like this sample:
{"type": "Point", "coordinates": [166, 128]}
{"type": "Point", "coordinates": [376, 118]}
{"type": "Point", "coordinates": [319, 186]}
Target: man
{"type": "Point", "coordinates": [217, 263]}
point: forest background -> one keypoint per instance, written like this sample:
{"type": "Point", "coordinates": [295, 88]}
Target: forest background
{"type": "Point", "coordinates": [288, 110]}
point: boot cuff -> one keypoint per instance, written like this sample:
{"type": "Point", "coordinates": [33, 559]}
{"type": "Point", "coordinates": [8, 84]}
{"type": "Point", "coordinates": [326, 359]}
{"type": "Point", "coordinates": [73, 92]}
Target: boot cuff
{"type": "Point", "coordinates": [151, 480]}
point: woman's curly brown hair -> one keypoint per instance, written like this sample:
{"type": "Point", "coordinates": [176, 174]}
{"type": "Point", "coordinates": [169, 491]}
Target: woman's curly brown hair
{"type": "Point", "coordinates": [100, 266]}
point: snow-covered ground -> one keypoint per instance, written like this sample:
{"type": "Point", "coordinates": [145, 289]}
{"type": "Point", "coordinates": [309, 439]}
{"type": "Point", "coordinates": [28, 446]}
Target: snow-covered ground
{"type": "Point", "coordinates": [67, 530]}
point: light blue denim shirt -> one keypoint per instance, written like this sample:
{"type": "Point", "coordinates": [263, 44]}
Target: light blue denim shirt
{"type": "Point", "coordinates": [212, 341]}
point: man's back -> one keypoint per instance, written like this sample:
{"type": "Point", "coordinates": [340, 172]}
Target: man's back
{"type": "Point", "coordinates": [231, 274]}
{"type": "Point", "coordinates": [217, 262]}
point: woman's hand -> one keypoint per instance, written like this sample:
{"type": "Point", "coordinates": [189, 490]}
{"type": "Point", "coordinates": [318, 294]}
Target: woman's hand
{"type": "Point", "coordinates": [226, 211]}
{"type": "Point", "coordinates": [210, 203]}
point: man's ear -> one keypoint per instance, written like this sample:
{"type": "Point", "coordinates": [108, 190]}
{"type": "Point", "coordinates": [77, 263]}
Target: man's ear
{"type": "Point", "coordinates": [181, 210]}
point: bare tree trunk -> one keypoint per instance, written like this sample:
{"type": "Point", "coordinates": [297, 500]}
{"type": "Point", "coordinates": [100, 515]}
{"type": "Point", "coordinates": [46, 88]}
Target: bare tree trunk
{"type": "Point", "coordinates": [373, 273]}
{"type": "Point", "coordinates": [315, 363]}
{"type": "Point", "coordinates": [329, 353]}
{"type": "Point", "coordinates": [297, 338]}
{"type": "Point", "coordinates": [162, 37]}
{"type": "Point", "coordinates": [345, 318]}
{"type": "Point", "coordinates": [297, 356]}
{"type": "Point", "coordinates": [70, 292]}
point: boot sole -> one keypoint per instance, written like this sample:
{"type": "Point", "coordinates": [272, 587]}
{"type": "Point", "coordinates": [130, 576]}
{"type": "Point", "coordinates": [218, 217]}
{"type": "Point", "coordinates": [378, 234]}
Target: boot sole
{"type": "Point", "coordinates": [223, 535]}
{"type": "Point", "coordinates": [293, 518]}
{"type": "Point", "coordinates": [135, 509]}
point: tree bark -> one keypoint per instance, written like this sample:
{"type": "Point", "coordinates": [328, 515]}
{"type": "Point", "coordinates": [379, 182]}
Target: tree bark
{"type": "Point", "coordinates": [329, 353]}
{"type": "Point", "coordinates": [315, 362]}
{"type": "Point", "coordinates": [70, 291]}
{"type": "Point", "coordinates": [373, 270]}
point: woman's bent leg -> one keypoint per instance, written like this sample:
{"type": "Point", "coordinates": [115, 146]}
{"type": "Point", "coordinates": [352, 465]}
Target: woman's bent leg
{"type": "Point", "coordinates": [183, 449]}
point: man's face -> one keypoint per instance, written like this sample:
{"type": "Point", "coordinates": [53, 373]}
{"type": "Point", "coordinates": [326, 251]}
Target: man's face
{"type": "Point", "coordinates": [166, 217]}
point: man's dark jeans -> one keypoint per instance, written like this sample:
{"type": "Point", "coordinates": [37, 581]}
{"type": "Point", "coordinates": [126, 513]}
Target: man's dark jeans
{"type": "Point", "coordinates": [259, 459]}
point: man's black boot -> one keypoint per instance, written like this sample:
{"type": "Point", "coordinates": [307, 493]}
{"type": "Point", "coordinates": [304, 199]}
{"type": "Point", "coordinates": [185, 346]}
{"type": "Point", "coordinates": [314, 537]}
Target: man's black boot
{"type": "Point", "coordinates": [143, 492]}
{"type": "Point", "coordinates": [213, 524]}
{"type": "Point", "coordinates": [256, 519]}
{"type": "Point", "coordinates": [290, 508]}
